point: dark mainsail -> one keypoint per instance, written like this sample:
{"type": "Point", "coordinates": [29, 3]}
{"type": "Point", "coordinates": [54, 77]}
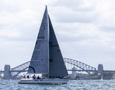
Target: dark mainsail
{"type": "Point", "coordinates": [57, 67]}
{"type": "Point", "coordinates": [47, 57]}
{"type": "Point", "coordinates": [40, 58]}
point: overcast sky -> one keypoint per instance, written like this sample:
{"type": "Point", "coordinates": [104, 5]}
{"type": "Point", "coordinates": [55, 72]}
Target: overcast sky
{"type": "Point", "coordinates": [85, 29]}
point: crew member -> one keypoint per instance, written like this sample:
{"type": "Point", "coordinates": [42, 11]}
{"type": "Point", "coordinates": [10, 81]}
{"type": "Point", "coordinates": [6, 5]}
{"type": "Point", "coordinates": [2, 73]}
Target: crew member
{"type": "Point", "coordinates": [23, 76]}
{"type": "Point", "coordinates": [38, 77]}
{"type": "Point", "coordinates": [34, 76]}
{"type": "Point", "coordinates": [28, 76]}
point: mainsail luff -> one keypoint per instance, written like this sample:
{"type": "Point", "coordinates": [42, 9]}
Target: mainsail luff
{"type": "Point", "coordinates": [40, 58]}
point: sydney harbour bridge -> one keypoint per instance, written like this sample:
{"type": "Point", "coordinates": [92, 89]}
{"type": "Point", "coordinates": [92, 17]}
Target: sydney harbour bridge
{"type": "Point", "coordinates": [70, 63]}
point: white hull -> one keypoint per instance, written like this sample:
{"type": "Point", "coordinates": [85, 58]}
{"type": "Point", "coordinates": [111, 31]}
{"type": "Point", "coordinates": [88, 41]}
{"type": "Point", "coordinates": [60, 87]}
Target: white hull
{"type": "Point", "coordinates": [43, 81]}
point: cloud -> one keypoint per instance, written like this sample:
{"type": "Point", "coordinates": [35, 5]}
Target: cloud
{"type": "Point", "coordinates": [84, 29]}
{"type": "Point", "coordinates": [79, 5]}
{"type": "Point", "coordinates": [69, 15]}
{"type": "Point", "coordinates": [108, 29]}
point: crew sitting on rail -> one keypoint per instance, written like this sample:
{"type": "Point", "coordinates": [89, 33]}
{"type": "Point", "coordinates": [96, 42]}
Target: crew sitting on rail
{"type": "Point", "coordinates": [23, 75]}
{"type": "Point", "coordinates": [38, 77]}
{"type": "Point", "coordinates": [28, 76]}
{"type": "Point", "coordinates": [34, 76]}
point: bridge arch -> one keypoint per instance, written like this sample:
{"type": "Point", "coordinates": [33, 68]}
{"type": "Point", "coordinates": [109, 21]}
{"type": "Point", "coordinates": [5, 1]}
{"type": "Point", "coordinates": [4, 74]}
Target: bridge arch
{"type": "Point", "coordinates": [82, 66]}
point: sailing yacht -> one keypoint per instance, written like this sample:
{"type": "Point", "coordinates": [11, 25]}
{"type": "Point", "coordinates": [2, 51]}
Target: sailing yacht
{"type": "Point", "coordinates": [47, 58]}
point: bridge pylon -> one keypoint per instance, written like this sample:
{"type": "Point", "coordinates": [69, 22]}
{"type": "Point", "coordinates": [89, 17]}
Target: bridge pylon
{"type": "Point", "coordinates": [7, 72]}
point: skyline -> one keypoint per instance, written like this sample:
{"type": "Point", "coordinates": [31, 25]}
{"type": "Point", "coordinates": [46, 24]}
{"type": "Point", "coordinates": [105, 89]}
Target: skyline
{"type": "Point", "coordinates": [85, 30]}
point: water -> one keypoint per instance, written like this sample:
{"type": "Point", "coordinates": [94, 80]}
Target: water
{"type": "Point", "coordinates": [72, 85]}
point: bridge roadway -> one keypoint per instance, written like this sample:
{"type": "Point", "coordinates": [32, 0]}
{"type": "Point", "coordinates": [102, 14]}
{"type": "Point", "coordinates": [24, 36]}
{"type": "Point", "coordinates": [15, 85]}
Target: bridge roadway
{"type": "Point", "coordinates": [67, 70]}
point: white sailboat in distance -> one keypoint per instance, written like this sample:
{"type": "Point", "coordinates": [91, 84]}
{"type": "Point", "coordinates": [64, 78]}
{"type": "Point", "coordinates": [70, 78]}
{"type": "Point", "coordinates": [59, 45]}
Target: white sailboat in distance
{"type": "Point", "coordinates": [47, 58]}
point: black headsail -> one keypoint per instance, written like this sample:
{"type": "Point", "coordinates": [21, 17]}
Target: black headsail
{"type": "Point", "coordinates": [57, 67]}
{"type": "Point", "coordinates": [40, 58]}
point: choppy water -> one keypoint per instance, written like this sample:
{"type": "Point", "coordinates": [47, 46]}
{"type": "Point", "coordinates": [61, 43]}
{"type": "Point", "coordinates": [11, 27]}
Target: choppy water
{"type": "Point", "coordinates": [72, 85]}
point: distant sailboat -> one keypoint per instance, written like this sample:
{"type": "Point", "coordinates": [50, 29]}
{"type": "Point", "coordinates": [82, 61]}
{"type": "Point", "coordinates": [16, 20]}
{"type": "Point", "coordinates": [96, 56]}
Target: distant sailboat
{"type": "Point", "coordinates": [47, 58]}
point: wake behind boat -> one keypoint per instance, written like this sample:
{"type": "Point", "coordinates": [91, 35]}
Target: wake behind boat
{"type": "Point", "coordinates": [47, 58]}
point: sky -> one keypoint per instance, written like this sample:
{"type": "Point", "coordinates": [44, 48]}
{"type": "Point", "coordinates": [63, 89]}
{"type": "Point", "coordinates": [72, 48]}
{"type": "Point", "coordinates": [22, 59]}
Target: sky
{"type": "Point", "coordinates": [85, 30]}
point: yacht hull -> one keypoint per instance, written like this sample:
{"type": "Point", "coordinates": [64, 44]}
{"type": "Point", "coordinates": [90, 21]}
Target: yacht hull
{"type": "Point", "coordinates": [43, 81]}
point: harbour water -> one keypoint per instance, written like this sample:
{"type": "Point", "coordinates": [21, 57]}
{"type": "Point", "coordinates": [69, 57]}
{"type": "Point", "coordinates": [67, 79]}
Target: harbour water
{"type": "Point", "coordinates": [72, 85]}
